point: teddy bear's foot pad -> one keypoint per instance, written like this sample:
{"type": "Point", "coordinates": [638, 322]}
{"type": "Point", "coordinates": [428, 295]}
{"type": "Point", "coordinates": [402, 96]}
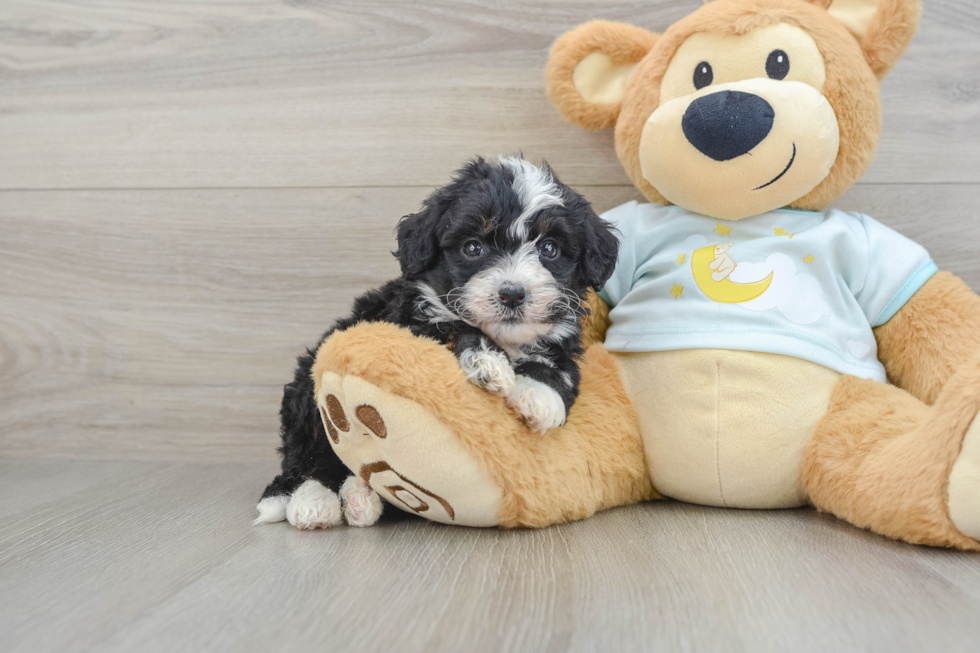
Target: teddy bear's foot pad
{"type": "Point", "coordinates": [964, 485]}
{"type": "Point", "coordinates": [405, 454]}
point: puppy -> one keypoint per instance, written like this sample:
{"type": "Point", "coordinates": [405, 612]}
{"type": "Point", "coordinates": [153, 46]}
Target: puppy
{"type": "Point", "coordinates": [495, 266]}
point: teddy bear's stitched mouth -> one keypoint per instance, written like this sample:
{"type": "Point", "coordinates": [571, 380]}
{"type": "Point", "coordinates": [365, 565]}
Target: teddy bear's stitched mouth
{"type": "Point", "coordinates": [780, 175]}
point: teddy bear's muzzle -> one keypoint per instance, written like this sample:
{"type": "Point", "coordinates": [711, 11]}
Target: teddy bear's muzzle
{"type": "Point", "coordinates": [742, 148]}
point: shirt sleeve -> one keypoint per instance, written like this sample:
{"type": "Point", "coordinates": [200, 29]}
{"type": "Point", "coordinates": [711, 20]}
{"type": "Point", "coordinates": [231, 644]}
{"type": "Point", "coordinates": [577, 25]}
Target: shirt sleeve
{"type": "Point", "coordinates": [897, 268]}
{"type": "Point", "coordinates": [623, 218]}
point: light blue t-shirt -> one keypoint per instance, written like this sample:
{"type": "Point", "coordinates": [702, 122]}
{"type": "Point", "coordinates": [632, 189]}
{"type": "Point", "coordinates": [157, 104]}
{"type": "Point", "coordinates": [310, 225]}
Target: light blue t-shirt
{"type": "Point", "coordinates": [800, 283]}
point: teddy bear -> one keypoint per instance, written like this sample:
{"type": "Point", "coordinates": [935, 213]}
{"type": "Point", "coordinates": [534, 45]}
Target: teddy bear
{"type": "Point", "coordinates": [723, 264]}
{"type": "Point", "coordinates": [833, 365]}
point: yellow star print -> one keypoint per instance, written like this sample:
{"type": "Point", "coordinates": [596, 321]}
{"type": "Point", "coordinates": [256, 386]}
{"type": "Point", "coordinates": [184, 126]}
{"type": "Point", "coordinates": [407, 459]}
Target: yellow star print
{"type": "Point", "coordinates": [808, 259]}
{"type": "Point", "coordinates": [779, 231]}
{"type": "Point", "coordinates": [677, 291]}
{"type": "Point", "coordinates": [681, 259]}
{"type": "Point", "coordinates": [721, 231]}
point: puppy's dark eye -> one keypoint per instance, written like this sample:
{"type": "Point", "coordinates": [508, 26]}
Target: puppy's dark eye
{"type": "Point", "coordinates": [473, 248]}
{"type": "Point", "coordinates": [549, 249]}
{"type": "Point", "coordinates": [777, 65]}
{"type": "Point", "coordinates": [703, 75]}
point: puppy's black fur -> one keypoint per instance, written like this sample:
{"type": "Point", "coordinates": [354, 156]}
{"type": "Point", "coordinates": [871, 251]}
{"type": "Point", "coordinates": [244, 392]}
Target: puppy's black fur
{"type": "Point", "coordinates": [492, 207]}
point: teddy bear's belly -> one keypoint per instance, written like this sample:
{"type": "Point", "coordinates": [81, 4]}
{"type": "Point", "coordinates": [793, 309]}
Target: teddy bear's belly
{"type": "Point", "coordinates": [727, 428]}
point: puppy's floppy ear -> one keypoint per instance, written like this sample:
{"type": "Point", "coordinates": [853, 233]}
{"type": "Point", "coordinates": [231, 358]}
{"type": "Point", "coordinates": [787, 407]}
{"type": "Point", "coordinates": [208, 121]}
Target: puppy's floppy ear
{"type": "Point", "coordinates": [599, 253]}
{"type": "Point", "coordinates": [589, 67]}
{"type": "Point", "coordinates": [418, 240]}
{"type": "Point", "coordinates": [884, 28]}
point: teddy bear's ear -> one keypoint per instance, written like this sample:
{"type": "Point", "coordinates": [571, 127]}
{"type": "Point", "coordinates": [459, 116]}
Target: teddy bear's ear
{"type": "Point", "coordinates": [589, 68]}
{"type": "Point", "coordinates": [884, 28]}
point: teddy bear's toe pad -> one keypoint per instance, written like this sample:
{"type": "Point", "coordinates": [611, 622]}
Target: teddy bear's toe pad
{"type": "Point", "coordinates": [405, 453]}
{"type": "Point", "coordinates": [964, 485]}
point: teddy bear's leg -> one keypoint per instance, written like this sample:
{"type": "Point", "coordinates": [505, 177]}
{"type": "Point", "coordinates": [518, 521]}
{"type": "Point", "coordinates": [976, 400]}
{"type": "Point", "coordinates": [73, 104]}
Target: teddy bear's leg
{"type": "Point", "coordinates": [401, 414]}
{"type": "Point", "coordinates": [885, 460]}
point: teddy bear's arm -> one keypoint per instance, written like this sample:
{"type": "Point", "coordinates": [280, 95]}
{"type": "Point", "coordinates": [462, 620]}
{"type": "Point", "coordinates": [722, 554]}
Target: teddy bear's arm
{"type": "Point", "coordinates": [924, 343]}
{"type": "Point", "coordinates": [596, 323]}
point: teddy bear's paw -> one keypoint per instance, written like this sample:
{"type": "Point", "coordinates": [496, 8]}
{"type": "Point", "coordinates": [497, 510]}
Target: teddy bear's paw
{"type": "Point", "coordinates": [964, 485]}
{"type": "Point", "coordinates": [401, 451]}
{"type": "Point", "coordinates": [362, 505]}
{"type": "Point", "coordinates": [539, 405]}
{"type": "Point", "coordinates": [313, 506]}
{"type": "Point", "coordinates": [489, 369]}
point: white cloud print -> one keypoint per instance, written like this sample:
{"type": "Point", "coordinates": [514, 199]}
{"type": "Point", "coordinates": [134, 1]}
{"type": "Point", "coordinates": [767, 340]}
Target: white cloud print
{"type": "Point", "coordinates": [692, 243]}
{"type": "Point", "coordinates": [797, 296]}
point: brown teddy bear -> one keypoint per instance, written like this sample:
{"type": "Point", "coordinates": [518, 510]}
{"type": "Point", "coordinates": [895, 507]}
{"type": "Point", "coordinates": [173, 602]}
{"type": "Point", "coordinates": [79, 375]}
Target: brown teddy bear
{"type": "Point", "coordinates": [750, 334]}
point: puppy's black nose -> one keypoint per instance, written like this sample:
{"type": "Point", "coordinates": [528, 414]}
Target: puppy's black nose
{"type": "Point", "coordinates": [511, 296]}
{"type": "Point", "coordinates": [727, 124]}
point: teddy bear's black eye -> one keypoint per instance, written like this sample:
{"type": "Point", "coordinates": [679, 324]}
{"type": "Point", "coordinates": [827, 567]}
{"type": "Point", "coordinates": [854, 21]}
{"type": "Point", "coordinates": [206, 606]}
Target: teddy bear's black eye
{"type": "Point", "coordinates": [703, 75]}
{"type": "Point", "coordinates": [777, 65]}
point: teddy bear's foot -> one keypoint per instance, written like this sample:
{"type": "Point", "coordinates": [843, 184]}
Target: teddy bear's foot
{"type": "Point", "coordinates": [313, 506]}
{"type": "Point", "coordinates": [407, 455]}
{"type": "Point", "coordinates": [362, 505]}
{"type": "Point", "coordinates": [964, 485]}
{"type": "Point", "coordinates": [401, 414]}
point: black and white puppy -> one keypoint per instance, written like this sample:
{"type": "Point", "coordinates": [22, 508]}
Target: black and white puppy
{"type": "Point", "coordinates": [495, 265]}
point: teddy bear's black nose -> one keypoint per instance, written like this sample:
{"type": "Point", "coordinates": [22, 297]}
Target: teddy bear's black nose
{"type": "Point", "coordinates": [727, 124]}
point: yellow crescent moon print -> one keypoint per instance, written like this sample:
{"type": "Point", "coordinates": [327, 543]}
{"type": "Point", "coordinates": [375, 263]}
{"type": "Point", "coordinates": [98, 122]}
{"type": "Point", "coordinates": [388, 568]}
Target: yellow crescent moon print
{"type": "Point", "coordinates": [724, 291]}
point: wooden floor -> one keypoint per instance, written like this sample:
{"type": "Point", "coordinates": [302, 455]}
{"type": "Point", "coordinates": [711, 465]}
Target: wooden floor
{"type": "Point", "coordinates": [190, 192]}
{"type": "Point", "coordinates": [129, 556]}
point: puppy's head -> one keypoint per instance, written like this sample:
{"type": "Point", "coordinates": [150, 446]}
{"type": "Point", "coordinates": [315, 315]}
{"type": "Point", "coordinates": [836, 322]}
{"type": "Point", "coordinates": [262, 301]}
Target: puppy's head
{"type": "Point", "coordinates": [507, 248]}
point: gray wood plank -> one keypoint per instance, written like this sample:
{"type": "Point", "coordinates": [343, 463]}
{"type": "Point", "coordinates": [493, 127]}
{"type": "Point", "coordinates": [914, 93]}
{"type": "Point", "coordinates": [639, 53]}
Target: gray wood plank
{"type": "Point", "coordinates": [162, 324]}
{"type": "Point", "coordinates": [149, 93]}
{"type": "Point", "coordinates": [155, 324]}
{"type": "Point", "coordinates": [167, 560]}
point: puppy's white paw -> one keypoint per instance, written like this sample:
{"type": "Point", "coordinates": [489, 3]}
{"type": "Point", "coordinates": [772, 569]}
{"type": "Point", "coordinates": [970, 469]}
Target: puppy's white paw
{"type": "Point", "coordinates": [272, 509]}
{"type": "Point", "coordinates": [489, 369]}
{"type": "Point", "coordinates": [313, 506]}
{"type": "Point", "coordinates": [362, 505]}
{"type": "Point", "coordinates": [541, 407]}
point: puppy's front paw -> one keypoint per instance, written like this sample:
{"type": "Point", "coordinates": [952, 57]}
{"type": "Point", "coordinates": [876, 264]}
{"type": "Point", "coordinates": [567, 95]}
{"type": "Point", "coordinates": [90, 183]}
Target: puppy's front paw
{"type": "Point", "coordinates": [313, 506]}
{"type": "Point", "coordinates": [362, 505]}
{"type": "Point", "coordinates": [489, 369]}
{"type": "Point", "coordinates": [541, 406]}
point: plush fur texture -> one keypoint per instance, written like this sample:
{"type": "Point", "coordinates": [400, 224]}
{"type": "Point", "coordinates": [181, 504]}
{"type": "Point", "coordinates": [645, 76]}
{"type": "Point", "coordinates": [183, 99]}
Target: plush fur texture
{"type": "Point", "coordinates": [931, 336]}
{"type": "Point", "coordinates": [596, 463]}
{"type": "Point", "coordinates": [890, 33]}
{"type": "Point", "coordinates": [853, 71]}
{"type": "Point", "coordinates": [881, 459]}
{"type": "Point", "coordinates": [499, 227]}
{"type": "Point", "coordinates": [596, 322]}
{"type": "Point", "coordinates": [620, 42]}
